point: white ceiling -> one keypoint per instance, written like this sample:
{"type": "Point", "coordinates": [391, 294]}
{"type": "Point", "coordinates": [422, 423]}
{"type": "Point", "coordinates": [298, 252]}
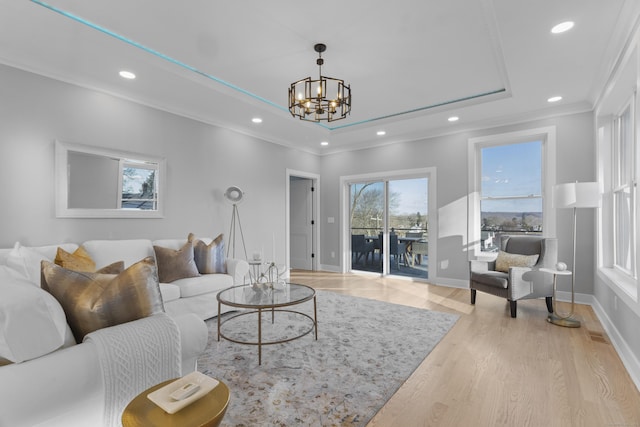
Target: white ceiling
{"type": "Point", "coordinates": [411, 64]}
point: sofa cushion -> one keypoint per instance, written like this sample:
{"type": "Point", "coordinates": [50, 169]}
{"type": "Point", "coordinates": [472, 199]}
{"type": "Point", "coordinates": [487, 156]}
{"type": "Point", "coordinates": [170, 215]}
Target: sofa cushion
{"type": "Point", "coordinates": [105, 252]}
{"type": "Point", "coordinates": [26, 260]}
{"type": "Point", "coordinates": [175, 264]}
{"type": "Point", "coordinates": [93, 301]}
{"type": "Point", "coordinates": [32, 322]}
{"type": "Point", "coordinates": [505, 260]}
{"type": "Point", "coordinates": [210, 258]}
{"type": "Point", "coordinates": [203, 284]}
{"type": "Point", "coordinates": [169, 292]}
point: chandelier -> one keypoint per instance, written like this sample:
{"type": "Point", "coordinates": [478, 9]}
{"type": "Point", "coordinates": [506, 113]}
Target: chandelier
{"type": "Point", "coordinates": [323, 99]}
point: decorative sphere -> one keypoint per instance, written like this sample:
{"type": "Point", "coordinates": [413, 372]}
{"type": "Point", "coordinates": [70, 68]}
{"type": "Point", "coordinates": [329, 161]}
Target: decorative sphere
{"type": "Point", "coordinates": [561, 266]}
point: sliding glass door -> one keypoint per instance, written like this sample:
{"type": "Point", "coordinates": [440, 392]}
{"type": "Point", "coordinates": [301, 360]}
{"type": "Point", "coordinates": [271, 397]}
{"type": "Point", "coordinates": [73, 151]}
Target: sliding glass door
{"type": "Point", "coordinates": [389, 226]}
{"type": "Point", "coordinates": [367, 222]}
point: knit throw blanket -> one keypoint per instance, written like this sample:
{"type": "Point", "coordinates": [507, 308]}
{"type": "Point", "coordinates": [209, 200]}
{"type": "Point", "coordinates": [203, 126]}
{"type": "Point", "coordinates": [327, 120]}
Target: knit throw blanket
{"type": "Point", "coordinates": [135, 356]}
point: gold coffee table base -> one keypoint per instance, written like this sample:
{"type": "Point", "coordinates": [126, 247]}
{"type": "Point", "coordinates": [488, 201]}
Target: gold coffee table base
{"type": "Point", "coordinates": [207, 411]}
{"type": "Point", "coordinates": [258, 299]}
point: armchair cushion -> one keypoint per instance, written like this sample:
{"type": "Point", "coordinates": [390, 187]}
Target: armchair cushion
{"type": "Point", "coordinates": [505, 260]}
{"type": "Point", "coordinates": [496, 279]}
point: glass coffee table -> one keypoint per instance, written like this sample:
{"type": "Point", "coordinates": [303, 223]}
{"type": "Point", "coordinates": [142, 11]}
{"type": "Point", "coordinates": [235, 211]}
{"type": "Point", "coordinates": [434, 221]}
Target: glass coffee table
{"type": "Point", "coordinates": [264, 297]}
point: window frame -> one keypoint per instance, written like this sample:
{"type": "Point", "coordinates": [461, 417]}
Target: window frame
{"type": "Point", "coordinates": [475, 145]}
{"type": "Point", "coordinates": [619, 185]}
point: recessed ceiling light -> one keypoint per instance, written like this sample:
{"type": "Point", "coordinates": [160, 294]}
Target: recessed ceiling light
{"type": "Point", "coordinates": [127, 75]}
{"type": "Point", "coordinates": [562, 27]}
{"type": "Point", "coordinates": [453, 118]}
{"type": "Point", "coordinates": [324, 143]}
{"type": "Point", "coordinates": [256, 120]}
{"type": "Point", "coordinates": [554, 99]}
{"type": "Point", "coordinates": [381, 133]}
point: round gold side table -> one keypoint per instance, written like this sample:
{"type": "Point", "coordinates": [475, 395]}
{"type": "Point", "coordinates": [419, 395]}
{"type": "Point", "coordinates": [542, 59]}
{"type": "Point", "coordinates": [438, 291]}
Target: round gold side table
{"type": "Point", "coordinates": [207, 411]}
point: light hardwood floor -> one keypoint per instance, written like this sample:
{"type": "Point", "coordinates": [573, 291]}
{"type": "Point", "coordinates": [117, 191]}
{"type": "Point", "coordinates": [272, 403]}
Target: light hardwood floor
{"type": "Point", "coordinates": [492, 370]}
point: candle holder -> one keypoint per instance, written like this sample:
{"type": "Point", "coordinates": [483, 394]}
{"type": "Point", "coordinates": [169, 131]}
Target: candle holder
{"type": "Point", "coordinates": [268, 279]}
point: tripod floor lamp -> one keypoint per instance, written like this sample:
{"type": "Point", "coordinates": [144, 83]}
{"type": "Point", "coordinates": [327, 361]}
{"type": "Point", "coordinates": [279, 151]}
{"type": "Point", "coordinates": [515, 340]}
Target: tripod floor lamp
{"type": "Point", "coordinates": [573, 195]}
{"type": "Point", "coordinates": [234, 195]}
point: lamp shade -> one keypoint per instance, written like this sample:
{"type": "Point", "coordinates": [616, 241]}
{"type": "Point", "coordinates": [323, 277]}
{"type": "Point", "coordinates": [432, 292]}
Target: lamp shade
{"type": "Point", "coordinates": [576, 195]}
{"type": "Point", "coordinates": [234, 194]}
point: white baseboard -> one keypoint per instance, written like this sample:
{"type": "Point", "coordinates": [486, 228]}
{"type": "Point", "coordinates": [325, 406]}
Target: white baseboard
{"type": "Point", "coordinates": [579, 298]}
{"type": "Point", "coordinates": [450, 283]}
{"type": "Point", "coordinates": [629, 360]}
{"type": "Point", "coordinates": [330, 268]}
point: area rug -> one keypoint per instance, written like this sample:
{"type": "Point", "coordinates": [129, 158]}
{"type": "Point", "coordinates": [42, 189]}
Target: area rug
{"type": "Point", "coordinates": [365, 351]}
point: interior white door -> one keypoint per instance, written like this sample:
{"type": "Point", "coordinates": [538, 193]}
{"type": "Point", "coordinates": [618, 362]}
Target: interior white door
{"type": "Point", "coordinates": [301, 216]}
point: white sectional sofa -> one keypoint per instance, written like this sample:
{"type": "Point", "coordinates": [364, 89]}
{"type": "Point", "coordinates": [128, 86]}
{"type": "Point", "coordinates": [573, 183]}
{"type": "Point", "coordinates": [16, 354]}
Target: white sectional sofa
{"type": "Point", "coordinates": [50, 380]}
{"type": "Point", "coordinates": [190, 295]}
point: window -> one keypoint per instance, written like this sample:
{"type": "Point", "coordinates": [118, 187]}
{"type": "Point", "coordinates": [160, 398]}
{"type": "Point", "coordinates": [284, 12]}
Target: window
{"type": "Point", "coordinates": [623, 195]}
{"type": "Point", "coordinates": [509, 176]}
{"type": "Point", "coordinates": [138, 189]}
{"type": "Point", "coordinates": [510, 191]}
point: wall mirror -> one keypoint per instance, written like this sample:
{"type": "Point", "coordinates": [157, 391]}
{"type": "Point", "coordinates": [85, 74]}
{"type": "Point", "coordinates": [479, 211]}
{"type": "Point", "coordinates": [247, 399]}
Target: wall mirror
{"type": "Point", "coordinates": [95, 182]}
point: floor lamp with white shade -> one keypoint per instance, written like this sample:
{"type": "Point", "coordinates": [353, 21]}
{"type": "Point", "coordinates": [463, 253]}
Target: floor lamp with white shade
{"type": "Point", "coordinates": [574, 195]}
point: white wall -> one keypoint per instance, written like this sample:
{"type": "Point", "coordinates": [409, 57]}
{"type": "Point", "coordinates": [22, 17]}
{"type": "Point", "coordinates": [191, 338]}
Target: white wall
{"type": "Point", "coordinates": [202, 161]}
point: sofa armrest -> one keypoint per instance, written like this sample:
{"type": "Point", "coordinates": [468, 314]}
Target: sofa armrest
{"type": "Point", "coordinates": [194, 336]}
{"type": "Point", "coordinates": [66, 384]}
{"type": "Point", "coordinates": [238, 269]}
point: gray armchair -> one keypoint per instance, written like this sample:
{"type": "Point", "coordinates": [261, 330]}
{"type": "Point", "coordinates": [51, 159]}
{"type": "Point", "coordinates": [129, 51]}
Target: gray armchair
{"type": "Point", "coordinates": [520, 282]}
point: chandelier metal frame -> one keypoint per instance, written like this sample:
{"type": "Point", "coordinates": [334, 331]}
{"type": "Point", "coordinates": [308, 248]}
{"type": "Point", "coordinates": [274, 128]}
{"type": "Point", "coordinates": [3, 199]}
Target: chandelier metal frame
{"type": "Point", "coordinates": [308, 97]}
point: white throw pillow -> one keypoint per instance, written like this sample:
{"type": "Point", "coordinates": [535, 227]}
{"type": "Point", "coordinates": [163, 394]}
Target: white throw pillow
{"type": "Point", "coordinates": [26, 260]}
{"type": "Point", "coordinates": [32, 322]}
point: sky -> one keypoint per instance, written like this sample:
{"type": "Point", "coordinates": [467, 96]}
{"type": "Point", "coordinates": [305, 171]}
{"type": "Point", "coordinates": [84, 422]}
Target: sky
{"type": "Point", "coordinates": [412, 195]}
{"type": "Point", "coordinates": [512, 170]}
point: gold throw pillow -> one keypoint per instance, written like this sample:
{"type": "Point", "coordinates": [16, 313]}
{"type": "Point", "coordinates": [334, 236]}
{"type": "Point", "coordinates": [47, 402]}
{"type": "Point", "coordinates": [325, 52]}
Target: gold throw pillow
{"type": "Point", "coordinates": [79, 260]}
{"type": "Point", "coordinates": [93, 301]}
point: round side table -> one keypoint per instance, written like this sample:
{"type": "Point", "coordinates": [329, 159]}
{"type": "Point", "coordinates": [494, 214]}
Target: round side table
{"type": "Point", "coordinates": [567, 321]}
{"type": "Point", "coordinates": [207, 411]}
